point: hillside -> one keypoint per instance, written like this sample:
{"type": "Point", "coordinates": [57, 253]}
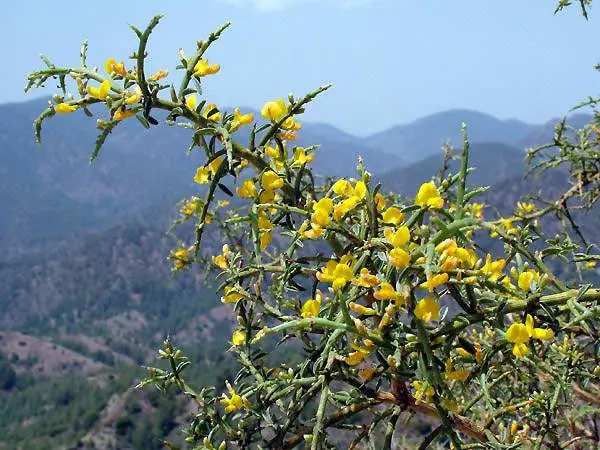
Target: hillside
{"type": "Point", "coordinates": [492, 161]}
{"type": "Point", "coordinates": [79, 322]}
{"type": "Point", "coordinates": [54, 184]}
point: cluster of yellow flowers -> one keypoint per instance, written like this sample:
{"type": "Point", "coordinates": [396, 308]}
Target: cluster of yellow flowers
{"type": "Point", "coordinates": [462, 264]}
{"type": "Point", "coordinates": [520, 334]}
{"type": "Point", "coordinates": [107, 91]}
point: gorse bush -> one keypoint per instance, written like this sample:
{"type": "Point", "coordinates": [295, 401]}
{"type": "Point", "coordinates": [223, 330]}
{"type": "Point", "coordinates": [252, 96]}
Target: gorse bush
{"type": "Point", "coordinates": [393, 304]}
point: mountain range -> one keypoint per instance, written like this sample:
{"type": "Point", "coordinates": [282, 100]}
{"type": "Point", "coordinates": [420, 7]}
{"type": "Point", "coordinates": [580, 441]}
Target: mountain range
{"type": "Point", "coordinates": [86, 292]}
{"type": "Point", "coordinates": [53, 184]}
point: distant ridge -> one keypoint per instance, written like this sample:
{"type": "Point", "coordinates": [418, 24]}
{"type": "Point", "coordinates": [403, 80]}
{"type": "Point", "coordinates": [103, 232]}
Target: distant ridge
{"type": "Point", "coordinates": [425, 136]}
{"type": "Point", "coordinates": [50, 192]}
{"type": "Point", "coordinates": [493, 162]}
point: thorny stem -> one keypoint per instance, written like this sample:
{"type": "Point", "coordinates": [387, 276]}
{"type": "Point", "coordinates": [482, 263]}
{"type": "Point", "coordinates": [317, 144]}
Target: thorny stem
{"type": "Point", "coordinates": [141, 55]}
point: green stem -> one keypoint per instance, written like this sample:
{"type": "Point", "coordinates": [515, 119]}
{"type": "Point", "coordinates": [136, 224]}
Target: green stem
{"type": "Point", "coordinates": [391, 426]}
{"type": "Point", "coordinates": [141, 55]}
{"type": "Point", "coordinates": [191, 63]}
{"type": "Point", "coordinates": [318, 429]}
{"type": "Point", "coordinates": [460, 192]}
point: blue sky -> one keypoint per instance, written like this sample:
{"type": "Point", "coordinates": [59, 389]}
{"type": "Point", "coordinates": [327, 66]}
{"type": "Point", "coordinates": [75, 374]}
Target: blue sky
{"type": "Point", "coordinates": [391, 61]}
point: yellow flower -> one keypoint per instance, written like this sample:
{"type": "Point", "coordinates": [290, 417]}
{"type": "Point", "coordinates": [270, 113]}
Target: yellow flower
{"type": "Point", "coordinates": [232, 295]}
{"type": "Point", "coordinates": [427, 309]}
{"type": "Point", "coordinates": [455, 375]}
{"type": "Point", "coordinates": [524, 208]}
{"type": "Point", "coordinates": [507, 225]}
{"type": "Point", "coordinates": [181, 257]}
{"type": "Point", "coordinates": [181, 253]}
{"type": "Point", "coordinates": [493, 269]}
{"type": "Point", "coordinates": [367, 374]}
{"type": "Point", "coordinates": [101, 124]}
{"type": "Point", "coordinates": [222, 260]}
{"type": "Point", "coordinates": [421, 391]}
{"type": "Point", "coordinates": [158, 75]}
{"type": "Point", "coordinates": [190, 206]}
{"type": "Point", "coordinates": [264, 223]}
{"type": "Point", "coordinates": [190, 102]}
{"type": "Point", "coordinates": [211, 112]}
{"type": "Point", "coordinates": [344, 208]}
{"type": "Point", "coordinates": [399, 258]}
{"type": "Point", "coordinates": [287, 136]}
{"type": "Point", "coordinates": [273, 152]}
{"type": "Point", "coordinates": [301, 158]}
{"type": "Point", "coordinates": [519, 334]}
{"type": "Point", "coordinates": [274, 110]}
{"type": "Point", "coordinates": [247, 189]}
{"type": "Point", "coordinates": [543, 334]}
{"type": "Point", "coordinates": [122, 113]}
{"type": "Point", "coordinates": [266, 196]}
{"type": "Point", "coordinates": [214, 165]}
{"type": "Point", "coordinates": [459, 375]}
{"type": "Point", "coordinates": [354, 193]}
{"type": "Point", "coordinates": [360, 309]}
{"type": "Point", "coordinates": [321, 215]}
{"type": "Point", "coordinates": [311, 307]}
{"type": "Point", "coordinates": [360, 190]}
{"type": "Point", "coordinates": [393, 216]}
{"type": "Point", "coordinates": [134, 97]}
{"type": "Point", "coordinates": [270, 180]}
{"type": "Point", "coordinates": [514, 427]}
{"type": "Point", "coordinates": [434, 281]}
{"type": "Point", "coordinates": [232, 403]}
{"type": "Point", "coordinates": [355, 358]}
{"type": "Point", "coordinates": [264, 226]}
{"type": "Point", "coordinates": [359, 354]}
{"type": "Point", "coordinates": [202, 175]}
{"type": "Point", "coordinates": [399, 238]}
{"type": "Point", "coordinates": [265, 239]}
{"type": "Point", "coordinates": [100, 92]}
{"type": "Point", "coordinates": [238, 338]}
{"type": "Point", "coordinates": [342, 187]}
{"type": "Point", "coordinates": [527, 278]}
{"type": "Point", "coordinates": [365, 279]}
{"type": "Point", "coordinates": [111, 67]}
{"type": "Point", "coordinates": [477, 210]}
{"type": "Point", "coordinates": [314, 233]}
{"type": "Point", "coordinates": [203, 68]}
{"type": "Point", "coordinates": [240, 119]}
{"type": "Point", "coordinates": [467, 354]}
{"type": "Point", "coordinates": [64, 108]}
{"type": "Point", "coordinates": [380, 202]}
{"type": "Point", "coordinates": [387, 292]}
{"type": "Point", "coordinates": [467, 258]}
{"type": "Point", "coordinates": [291, 125]}
{"type": "Point", "coordinates": [448, 246]}
{"type": "Point", "coordinates": [429, 196]}
{"type": "Point", "coordinates": [336, 273]}
{"type": "Point", "coordinates": [449, 263]}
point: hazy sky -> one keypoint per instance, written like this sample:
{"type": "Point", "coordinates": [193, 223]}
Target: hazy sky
{"type": "Point", "coordinates": [391, 61]}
